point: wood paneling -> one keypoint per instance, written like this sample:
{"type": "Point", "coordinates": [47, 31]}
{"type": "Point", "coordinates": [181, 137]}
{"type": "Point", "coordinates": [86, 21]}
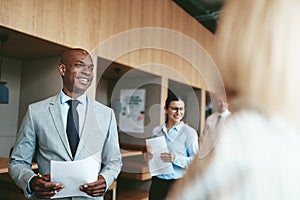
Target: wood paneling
{"type": "Point", "coordinates": [87, 23]}
{"type": "Point", "coordinates": [64, 22]}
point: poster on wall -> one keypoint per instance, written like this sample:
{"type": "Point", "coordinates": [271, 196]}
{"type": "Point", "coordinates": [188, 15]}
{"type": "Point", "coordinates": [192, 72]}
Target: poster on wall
{"type": "Point", "coordinates": [131, 117]}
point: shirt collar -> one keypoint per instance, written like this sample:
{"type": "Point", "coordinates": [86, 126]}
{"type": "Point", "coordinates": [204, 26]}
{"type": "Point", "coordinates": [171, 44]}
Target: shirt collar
{"type": "Point", "coordinates": [177, 127]}
{"type": "Point", "coordinates": [64, 98]}
{"type": "Point", "coordinates": [225, 113]}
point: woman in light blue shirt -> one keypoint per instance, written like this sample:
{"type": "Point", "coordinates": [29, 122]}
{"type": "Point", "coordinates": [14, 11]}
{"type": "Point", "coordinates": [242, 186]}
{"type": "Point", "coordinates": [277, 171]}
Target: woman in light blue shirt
{"type": "Point", "coordinates": [182, 142]}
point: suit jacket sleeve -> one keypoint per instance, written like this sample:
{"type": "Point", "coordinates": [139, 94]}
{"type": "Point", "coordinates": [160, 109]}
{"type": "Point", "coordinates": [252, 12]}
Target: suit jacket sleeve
{"type": "Point", "coordinates": [23, 153]}
{"type": "Point", "coordinates": [111, 157]}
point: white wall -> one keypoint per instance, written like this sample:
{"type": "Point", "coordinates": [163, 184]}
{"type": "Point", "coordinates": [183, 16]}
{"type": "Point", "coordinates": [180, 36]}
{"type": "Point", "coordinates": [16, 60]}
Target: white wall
{"type": "Point", "coordinates": [28, 82]}
{"type": "Point", "coordinates": [9, 113]}
{"type": "Point", "coordinates": [40, 79]}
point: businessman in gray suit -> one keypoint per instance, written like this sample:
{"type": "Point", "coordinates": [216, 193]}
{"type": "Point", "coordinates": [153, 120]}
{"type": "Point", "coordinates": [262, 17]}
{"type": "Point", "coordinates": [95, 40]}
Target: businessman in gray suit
{"type": "Point", "coordinates": [44, 134]}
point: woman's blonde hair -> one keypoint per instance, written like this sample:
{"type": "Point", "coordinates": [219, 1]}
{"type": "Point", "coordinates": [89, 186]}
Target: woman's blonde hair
{"type": "Point", "coordinates": [257, 51]}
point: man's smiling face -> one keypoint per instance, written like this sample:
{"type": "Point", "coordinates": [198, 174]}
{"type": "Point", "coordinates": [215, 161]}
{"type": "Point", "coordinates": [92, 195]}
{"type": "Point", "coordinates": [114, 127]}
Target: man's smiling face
{"type": "Point", "coordinates": [77, 72]}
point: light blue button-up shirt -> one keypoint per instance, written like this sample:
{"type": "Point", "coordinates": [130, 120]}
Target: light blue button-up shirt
{"type": "Point", "coordinates": [182, 140]}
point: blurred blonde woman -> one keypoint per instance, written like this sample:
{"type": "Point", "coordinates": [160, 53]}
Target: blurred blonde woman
{"type": "Point", "coordinates": [257, 155]}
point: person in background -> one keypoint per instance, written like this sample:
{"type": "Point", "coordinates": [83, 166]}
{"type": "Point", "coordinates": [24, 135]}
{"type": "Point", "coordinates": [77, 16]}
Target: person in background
{"type": "Point", "coordinates": [182, 143]}
{"type": "Point", "coordinates": [45, 133]}
{"type": "Point", "coordinates": [216, 119]}
{"type": "Point", "coordinates": [257, 155]}
{"type": "Point", "coordinates": [208, 109]}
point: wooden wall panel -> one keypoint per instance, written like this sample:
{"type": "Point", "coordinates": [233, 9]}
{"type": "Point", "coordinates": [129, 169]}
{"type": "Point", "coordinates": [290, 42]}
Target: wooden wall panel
{"type": "Point", "coordinates": [66, 22]}
{"type": "Point", "coordinates": [87, 23]}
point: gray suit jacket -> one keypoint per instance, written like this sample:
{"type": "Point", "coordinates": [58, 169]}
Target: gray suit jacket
{"type": "Point", "coordinates": [42, 131]}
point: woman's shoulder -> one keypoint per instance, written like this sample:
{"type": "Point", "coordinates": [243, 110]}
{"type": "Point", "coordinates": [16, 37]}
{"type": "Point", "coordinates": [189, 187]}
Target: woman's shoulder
{"type": "Point", "coordinates": [157, 131]}
{"type": "Point", "coordinates": [157, 128]}
{"type": "Point", "coordinates": [188, 129]}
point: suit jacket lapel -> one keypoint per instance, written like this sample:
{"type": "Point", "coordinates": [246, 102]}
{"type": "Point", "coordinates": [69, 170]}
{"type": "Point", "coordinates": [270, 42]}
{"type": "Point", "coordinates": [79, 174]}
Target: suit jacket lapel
{"type": "Point", "coordinates": [55, 111]}
{"type": "Point", "coordinates": [91, 130]}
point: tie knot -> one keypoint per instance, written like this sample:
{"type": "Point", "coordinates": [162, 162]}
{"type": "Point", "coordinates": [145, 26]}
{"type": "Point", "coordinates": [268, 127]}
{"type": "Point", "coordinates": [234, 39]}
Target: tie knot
{"type": "Point", "coordinates": [73, 103]}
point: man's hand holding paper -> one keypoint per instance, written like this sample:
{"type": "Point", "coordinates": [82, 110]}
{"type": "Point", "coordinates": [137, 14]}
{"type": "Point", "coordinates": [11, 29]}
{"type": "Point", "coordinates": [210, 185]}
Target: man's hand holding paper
{"type": "Point", "coordinates": [43, 188]}
{"type": "Point", "coordinates": [96, 188]}
{"type": "Point", "coordinates": [80, 177]}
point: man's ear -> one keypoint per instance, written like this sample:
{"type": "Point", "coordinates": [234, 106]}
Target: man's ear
{"type": "Point", "coordinates": [61, 69]}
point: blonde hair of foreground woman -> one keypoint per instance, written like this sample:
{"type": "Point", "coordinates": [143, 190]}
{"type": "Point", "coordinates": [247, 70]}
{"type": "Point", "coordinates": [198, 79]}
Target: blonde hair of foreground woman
{"type": "Point", "coordinates": [258, 47]}
{"type": "Point", "coordinates": [257, 52]}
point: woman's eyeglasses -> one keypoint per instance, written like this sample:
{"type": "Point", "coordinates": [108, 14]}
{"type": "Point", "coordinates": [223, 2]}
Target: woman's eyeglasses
{"type": "Point", "coordinates": [176, 109]}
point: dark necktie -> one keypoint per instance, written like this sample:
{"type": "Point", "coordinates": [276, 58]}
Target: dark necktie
{"type": "Point", "coordinates": [73, 126]}
{"type": "Point", "coordinates": [218, 123]}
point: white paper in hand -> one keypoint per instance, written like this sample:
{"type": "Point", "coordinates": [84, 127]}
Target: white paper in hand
{"type": "Point", "coordinates": [73, 174]}
{"type": "Point", "coordinates": [157, 166]}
